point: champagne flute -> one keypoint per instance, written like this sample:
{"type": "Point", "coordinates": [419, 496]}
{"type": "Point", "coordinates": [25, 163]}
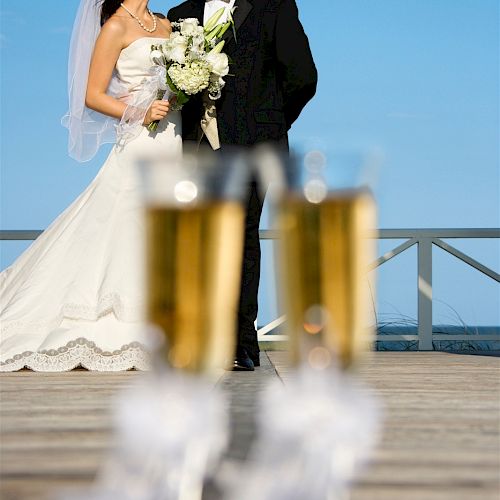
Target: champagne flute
{"type": "Point", "coordinates": [327, 216]}
{"type": "Point", "coordinates": [318, 429]}
{"type": "Point", "coordinates": [194, 247]}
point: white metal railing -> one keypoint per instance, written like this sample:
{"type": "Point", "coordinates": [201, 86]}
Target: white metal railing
{"type": "Point", "coordinates": [424, 239]}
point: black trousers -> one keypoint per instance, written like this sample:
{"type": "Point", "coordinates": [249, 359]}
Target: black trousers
{"type": "Point", "coordinates": [246, 337]}
{"type": "Point", "coordinates": [250, 277]}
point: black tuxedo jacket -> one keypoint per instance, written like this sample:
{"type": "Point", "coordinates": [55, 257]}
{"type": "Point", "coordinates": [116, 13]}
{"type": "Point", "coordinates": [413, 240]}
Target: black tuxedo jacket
{"type": "Point", "coordinates": [274, 75]}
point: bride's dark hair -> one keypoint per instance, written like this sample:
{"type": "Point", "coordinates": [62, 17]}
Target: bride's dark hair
{"type": "Point", "coordinates": [108, 8]}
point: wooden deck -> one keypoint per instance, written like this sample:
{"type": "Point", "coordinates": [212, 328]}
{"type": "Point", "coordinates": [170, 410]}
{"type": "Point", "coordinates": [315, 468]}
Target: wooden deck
{"type": "Point", "coordinates": [441, 435]}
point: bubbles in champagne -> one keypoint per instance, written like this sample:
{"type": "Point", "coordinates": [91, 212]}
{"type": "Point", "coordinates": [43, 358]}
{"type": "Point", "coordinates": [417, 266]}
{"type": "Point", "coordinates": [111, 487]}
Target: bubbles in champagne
{"type": "Point", "coordinates": [185, 191]}
{"type": "Point", "coordinates": [315, 190]}
{"type": "Point", "coordinates": [315, 186]}
{"type": "Point", "coordinates": [180, 357]}
{"type": "Point", "coordinates": [315, 161]}
{"type": "Point", "coordinates": [315, 320]}
{"type": "Point", "coordinates": [326, 250]}
{"type": "Point", "coordinates": [319, 358]}
{"type": "Point", "coordinates": [193, 281]}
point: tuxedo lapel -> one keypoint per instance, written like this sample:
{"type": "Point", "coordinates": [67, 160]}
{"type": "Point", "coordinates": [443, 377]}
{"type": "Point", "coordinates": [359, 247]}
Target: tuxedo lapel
{"type": "Point", "coordinates": [243, 8]}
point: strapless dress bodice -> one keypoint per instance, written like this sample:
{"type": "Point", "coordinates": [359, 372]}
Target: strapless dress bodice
{"type": "Point", "coordinates": [134, 64]}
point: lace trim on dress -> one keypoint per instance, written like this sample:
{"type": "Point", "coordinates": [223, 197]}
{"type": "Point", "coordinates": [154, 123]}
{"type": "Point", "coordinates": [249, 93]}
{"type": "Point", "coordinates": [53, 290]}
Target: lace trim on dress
{"type": "Point", "coordinates": [84, 353]}
{"type": "Point", "coordinates": [109, 303]}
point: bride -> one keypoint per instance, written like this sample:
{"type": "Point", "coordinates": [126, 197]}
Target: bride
{"type": "Point", "coordinates": [74, 297]}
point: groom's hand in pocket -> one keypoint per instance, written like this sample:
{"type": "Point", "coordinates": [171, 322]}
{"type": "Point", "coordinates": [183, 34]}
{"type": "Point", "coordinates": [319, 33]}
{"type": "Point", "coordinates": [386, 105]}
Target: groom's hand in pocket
{"type": "Point", "coordinates": [157, 111]}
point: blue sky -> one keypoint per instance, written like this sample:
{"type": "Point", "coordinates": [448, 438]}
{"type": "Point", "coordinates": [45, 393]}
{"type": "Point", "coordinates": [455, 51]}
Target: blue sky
{"type": "Point", "coordinates": [417, 79]}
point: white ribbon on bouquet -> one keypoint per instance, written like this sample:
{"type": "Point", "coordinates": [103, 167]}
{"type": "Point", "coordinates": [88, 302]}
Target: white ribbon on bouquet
{"type": "Point", "coordinates": [209, 122]}
{"type": "Point", "coordinates": [139, 99]}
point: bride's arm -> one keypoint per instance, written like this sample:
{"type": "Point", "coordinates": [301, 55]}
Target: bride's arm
{"type": "Point", "coordinates": [107, 49]}
{"type": "Point", "coordinates": [106, 52]}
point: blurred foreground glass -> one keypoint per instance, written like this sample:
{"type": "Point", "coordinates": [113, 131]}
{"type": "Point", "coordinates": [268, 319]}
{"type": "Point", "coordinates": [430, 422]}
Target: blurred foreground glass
{"type": "Point", "coordinates": [328, 218]}
{"type": "Point", "coordinates": [194, 247]}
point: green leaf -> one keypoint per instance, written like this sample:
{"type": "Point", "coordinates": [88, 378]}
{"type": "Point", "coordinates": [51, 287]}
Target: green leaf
{"type": "Point", "coordinates": [182, 98]}
{"type": "Point", "coordinates": [231, 22]}
{"type": "Point", "coordinates": [171, 84]}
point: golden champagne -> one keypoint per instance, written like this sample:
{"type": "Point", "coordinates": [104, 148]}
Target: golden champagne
{"type": "Point", "coordinates": [327, 248]}
{"type": "Point", "coordinates": [193, 274]}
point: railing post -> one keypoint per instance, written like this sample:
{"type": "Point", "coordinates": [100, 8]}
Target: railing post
{"type": "Point", "coordinates": [425, 294]}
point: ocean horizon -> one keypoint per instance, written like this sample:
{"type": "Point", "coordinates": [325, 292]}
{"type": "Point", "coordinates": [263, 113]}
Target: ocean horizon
{"type": "Point", "coordinates": [468, 345]}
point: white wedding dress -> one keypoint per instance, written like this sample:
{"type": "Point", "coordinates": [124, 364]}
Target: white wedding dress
{"type": "Point", "coordinates": [75, 297]}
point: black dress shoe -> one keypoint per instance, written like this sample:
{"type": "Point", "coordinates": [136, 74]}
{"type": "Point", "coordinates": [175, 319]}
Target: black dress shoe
{"type": "Point", "coordinates": [243, 362]}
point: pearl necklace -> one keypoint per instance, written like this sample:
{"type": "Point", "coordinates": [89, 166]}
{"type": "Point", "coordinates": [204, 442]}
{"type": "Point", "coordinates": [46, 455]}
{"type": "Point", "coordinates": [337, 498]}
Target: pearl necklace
{"type": "Point", "coordinates": [141, 24]}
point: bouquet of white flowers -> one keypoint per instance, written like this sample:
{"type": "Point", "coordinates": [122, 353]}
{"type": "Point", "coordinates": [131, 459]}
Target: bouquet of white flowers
{"type": "Point", "coordinates": [191, 60]}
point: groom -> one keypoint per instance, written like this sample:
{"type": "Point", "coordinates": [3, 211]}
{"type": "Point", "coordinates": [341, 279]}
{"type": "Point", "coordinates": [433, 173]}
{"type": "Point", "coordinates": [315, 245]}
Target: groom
{"type": "Point", "coordinates": [274, 76]}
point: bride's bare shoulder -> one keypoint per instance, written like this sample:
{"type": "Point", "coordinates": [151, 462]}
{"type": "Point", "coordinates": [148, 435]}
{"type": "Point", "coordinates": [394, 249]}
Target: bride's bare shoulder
{"type": "Point", "coordinates": [115, 25]}
{"type": "Point", "coordinates": [112, 36]}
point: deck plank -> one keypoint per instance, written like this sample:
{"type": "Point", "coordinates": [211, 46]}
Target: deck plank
{"type": "Point", "coordinates": [441, 436]}
{"type": "Point", "coordinates": [441, 432]}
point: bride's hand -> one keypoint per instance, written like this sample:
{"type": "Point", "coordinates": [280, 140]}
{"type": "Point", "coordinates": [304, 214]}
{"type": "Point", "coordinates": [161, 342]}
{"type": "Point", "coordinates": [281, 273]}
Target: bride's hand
{"type": "Point", "coordinates": [157, 111]}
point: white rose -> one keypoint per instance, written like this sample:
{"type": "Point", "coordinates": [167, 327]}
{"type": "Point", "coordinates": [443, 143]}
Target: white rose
{"type": "Point", "coordinates": [189, 26]}
{"type": "Point", "coordinates": [178, 49]}
{"type": "Point", "coordinates": [198, 43]}
{"type": "Point", "coordinates": [180, 40]}
{"type": "Point", "coordinates": [178, 54]}
{"type": "Point", "coordinates": [219, 64]}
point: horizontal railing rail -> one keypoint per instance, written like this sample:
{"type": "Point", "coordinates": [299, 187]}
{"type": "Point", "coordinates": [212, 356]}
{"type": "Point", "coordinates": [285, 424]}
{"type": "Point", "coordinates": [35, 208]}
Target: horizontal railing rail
{"type": "Point", "coordinates": [19, 235]}
{"type": "Point", "coordinates": [424, 239]}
